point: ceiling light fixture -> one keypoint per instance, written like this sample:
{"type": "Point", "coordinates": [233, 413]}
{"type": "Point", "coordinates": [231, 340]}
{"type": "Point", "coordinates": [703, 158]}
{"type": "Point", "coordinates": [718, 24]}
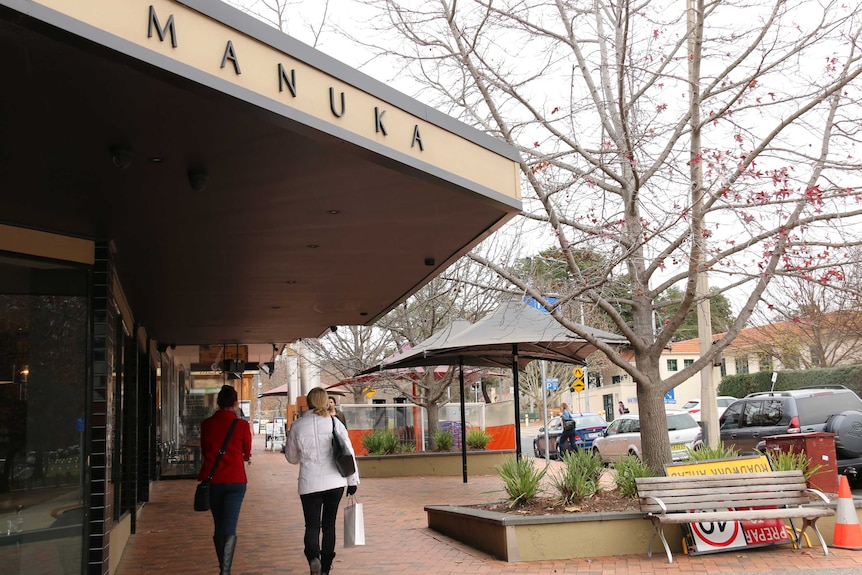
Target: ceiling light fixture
{"type": "Point", "coordinates": [121, 155]}
{"type": "Point", "coordinates": [198, 179]}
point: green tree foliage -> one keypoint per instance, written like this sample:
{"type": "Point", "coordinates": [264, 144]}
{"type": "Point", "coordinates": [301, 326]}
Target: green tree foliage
{"type": "Point", "coordinates": [849, 376]}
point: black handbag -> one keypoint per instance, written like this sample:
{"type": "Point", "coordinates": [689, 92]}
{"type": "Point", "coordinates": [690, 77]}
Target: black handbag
{"type": "Point", "coordinates": [568, 424]}
{"type": "Point", "coordinates": [202, 491]}
{"type": "Point", "coordinates": [343, 458]}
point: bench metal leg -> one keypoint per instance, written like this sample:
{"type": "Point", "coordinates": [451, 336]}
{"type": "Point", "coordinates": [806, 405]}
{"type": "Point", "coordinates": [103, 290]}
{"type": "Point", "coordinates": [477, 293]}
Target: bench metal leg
{"type": "Point", "coordinates": [806, 523]}
{"type": "Point", "coordinates": [658, 530]}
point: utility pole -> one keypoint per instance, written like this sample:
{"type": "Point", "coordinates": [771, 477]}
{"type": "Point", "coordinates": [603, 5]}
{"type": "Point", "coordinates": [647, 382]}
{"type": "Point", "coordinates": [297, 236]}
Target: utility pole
{"type": "Point", "coordinates": [709, 413]}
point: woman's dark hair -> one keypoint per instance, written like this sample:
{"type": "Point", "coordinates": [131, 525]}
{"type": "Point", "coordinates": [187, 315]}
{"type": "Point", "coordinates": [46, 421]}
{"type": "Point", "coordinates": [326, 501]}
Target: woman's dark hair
{"type": "Point", "coordinates": [226, 397]}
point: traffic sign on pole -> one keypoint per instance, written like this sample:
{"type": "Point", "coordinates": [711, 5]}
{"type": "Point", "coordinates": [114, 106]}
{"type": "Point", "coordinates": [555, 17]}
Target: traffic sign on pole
{"type": "Point", "coordinates": [578, 383]}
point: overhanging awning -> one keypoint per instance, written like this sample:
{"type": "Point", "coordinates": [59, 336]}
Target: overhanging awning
{"type": "Point", "coordinates": [328, 197]}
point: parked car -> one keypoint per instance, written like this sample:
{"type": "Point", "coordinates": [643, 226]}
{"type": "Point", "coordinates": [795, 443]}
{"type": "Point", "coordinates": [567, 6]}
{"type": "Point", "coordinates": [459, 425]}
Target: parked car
{"type": "Point", "coordinates": [623, 437]}
{"type": "Point", "coordinates": [588, 426]}
{"type": "Point", "coordinates": [694, 407]}
{"type": "Point", "coordinates": [747, 421]}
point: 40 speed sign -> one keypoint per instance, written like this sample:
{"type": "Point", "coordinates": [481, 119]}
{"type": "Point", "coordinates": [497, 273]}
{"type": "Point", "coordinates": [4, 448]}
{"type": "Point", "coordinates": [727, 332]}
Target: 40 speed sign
{"type": "Point", "coordinates": [721, 536]}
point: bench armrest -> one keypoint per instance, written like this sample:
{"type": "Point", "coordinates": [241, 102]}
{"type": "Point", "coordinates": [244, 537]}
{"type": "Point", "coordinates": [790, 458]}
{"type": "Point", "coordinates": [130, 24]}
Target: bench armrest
{"type": "Point", "coordinates": [819, 494]}
{"type": "Point", "coordinates": [659, 502]}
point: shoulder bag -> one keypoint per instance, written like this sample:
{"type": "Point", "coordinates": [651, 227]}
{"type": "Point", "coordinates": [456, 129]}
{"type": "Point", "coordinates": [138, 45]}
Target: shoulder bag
{"type": "Point", "coordinates": [343, 458]}
{"type": "Point", "coordinates": [202, 492]}
{"type": "Point", "coordinates": [568, 424]}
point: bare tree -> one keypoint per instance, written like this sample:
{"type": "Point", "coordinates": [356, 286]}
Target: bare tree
{"type": "Point", "coordinates": [675, 140]}
{"type": "Point", "coordinates": [347, 351]}
{"type": "Point", "coordinates": [533, 387]}
{"type": "Point", "coordinates": [807, 322]}
{"type": "Point", "coordinates": [464, 291]}
{"type": "Point", "coordinates": [277, 13]}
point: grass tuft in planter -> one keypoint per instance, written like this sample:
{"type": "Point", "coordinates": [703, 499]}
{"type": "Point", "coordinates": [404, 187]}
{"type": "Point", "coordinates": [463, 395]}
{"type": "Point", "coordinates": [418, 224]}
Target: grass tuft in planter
{"type": "Point", "coordinates": [444, 440]}
{"type": "Point", "coordinates": [711, 453]}
{"type": "Point", "coordinates": [791, 461]}
{"type": "Point", "coordinates": [381, 442]}
{"type": "Point", "coordinates": [478, 439]}
{"type": "Point", "coordinates": [520, 479]}
{"type": "Point", "coordinates": [626, 470]}
{"type": "Point", "coordinates": [581, 476]}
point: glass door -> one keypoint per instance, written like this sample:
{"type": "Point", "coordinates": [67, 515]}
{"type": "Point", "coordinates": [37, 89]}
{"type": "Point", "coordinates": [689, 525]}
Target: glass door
{"type": "Point", "coordinates": [43, 354]}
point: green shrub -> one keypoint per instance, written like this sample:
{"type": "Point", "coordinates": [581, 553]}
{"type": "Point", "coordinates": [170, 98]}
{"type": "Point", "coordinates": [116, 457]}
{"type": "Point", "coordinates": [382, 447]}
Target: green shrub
{"type": "Point", "coordinates": [626, 470]}
{"type": "Point", "coordinates": [790, 460]}
{"type": "Point", "coordinates": [444, 440]}
{"type": "Point", "coordinates": [741, 385]}
{"type": "Point", "coordinates": [478, 438]}
{"type": "Point", "coordinates": [380, 442]}
{"type": "Point", "coordinates": [406, 447]}
{"type": "Point", "coordinates": [520, 479]}
{"type": "Point", "coordinates": [711, 453]}
{"type": "Point", "coordinates": [580, 477]}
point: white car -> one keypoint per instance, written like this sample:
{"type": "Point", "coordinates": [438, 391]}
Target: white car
{"type": "Point", "coordinates": [623, 437]}
{"type": "Point", "coordinates": [694, 407]}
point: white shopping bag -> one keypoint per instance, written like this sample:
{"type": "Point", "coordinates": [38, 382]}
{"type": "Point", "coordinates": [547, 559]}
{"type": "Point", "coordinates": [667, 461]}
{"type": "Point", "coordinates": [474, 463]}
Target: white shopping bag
{"type": "Point", "coordinates": [354, 523]}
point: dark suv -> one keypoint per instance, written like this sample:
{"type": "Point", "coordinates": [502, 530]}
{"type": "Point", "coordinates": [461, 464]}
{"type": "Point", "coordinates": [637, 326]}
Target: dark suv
{"type": "Point", "coordinates": [746, 422]}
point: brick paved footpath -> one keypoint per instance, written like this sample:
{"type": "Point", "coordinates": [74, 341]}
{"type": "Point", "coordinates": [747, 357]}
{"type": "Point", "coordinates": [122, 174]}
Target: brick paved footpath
{"type": "Point", "coordinates": [173, 539]}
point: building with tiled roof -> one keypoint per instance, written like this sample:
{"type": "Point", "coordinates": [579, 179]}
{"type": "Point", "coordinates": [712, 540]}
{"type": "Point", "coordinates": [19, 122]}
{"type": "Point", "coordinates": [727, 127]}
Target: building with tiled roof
{"type": "Point", "coordinates": [830, 340]}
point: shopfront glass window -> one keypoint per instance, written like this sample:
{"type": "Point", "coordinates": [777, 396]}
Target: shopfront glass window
{"type": "Point", "coordinates": [43, 352]}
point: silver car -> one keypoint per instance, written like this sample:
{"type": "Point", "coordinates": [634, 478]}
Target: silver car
{"type": "Point", "coordinates": [623, 437]}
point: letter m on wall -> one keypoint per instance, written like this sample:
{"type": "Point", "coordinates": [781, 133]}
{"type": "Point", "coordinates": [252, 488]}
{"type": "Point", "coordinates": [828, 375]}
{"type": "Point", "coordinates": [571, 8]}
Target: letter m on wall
{"type": "Point", "coordinates": [168, 29]}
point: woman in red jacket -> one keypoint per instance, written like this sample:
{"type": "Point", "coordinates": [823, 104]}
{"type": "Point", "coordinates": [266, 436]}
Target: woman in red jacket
{"type": "Point", "coordinates": [228, 485]}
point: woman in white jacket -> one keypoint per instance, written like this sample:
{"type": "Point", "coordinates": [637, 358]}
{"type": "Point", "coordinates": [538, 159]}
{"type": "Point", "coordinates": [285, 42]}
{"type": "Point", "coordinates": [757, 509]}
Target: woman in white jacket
{"type": "Point", "coordinates": [321, 486]}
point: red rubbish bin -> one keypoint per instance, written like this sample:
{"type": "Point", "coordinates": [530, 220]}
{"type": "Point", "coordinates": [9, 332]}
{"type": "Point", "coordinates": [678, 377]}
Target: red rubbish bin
{"type": "Point", "coordinates": [819, 448]}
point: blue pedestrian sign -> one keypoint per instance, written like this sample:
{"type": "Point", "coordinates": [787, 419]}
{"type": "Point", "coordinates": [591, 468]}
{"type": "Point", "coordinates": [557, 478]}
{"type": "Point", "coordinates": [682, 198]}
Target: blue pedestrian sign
{"type": "Point", "coordinates": [552, 383]}
{"type": "Point", "coordinates": [669, 398]}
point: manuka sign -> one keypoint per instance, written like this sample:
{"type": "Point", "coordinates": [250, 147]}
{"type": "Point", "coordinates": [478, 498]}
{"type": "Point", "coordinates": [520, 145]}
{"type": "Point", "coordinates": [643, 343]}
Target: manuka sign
{"type": "Point", "coordinates": [166, 29]}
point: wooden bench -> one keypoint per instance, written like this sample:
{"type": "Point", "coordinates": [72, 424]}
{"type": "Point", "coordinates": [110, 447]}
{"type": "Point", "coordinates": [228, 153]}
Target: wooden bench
{"type": "Point", "coordinates": [730, 497]}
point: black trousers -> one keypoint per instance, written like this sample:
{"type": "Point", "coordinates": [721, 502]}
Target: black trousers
{"type": "Point", "coordinates": [320, 510]}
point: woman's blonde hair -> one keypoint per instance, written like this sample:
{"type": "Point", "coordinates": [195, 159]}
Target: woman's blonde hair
{"type": "Point", "coordinates": [318, 401]}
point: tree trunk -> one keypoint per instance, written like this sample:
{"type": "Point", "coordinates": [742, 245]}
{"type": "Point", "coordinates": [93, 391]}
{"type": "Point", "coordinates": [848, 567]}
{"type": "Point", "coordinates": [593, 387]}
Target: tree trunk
{"type": "Point", "coordinates": [655, 442]}
{"type": "Point", "coordinates": [432, 409]}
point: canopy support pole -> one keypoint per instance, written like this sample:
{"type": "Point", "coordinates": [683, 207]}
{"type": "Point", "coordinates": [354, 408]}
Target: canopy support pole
{"type": "Point", "coordinates": [517, 401]}
{"type": "Point", "coordinates": [463, 418]}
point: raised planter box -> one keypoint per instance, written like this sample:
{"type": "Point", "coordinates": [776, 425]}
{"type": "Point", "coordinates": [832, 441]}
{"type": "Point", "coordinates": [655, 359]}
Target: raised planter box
{"type": "Point", "coordinates": [544, 537]}
{"type": "Point", "coordinates": [431, 463]}
{"type": "Point", "coordinates": [547, 537]}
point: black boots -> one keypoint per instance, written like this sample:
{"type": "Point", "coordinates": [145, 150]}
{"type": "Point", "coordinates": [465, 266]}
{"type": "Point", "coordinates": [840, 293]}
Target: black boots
{"type": "Point", "coordinates": [224, 546]}
{"type": "Point", "coordinates": [218, 541]}
{"type": "Point", "coordinates": [326, 562]}
{"type": "Point", "coordinates": [227, 554]}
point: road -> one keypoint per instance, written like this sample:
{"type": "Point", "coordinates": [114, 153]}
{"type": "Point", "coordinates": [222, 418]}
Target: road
{"type": "Point", "coordinates": [530, 433]}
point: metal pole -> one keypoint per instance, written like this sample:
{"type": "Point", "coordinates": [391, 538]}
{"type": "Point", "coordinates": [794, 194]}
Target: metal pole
{"type": "Point", "coordinates": [517, 402]}
{"type": "Point", "coordinates": [463, 419]}
{"type": "Point", "coordinates": [545, 413]}
{"type": "Point", "coordinates": [586, 389]}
